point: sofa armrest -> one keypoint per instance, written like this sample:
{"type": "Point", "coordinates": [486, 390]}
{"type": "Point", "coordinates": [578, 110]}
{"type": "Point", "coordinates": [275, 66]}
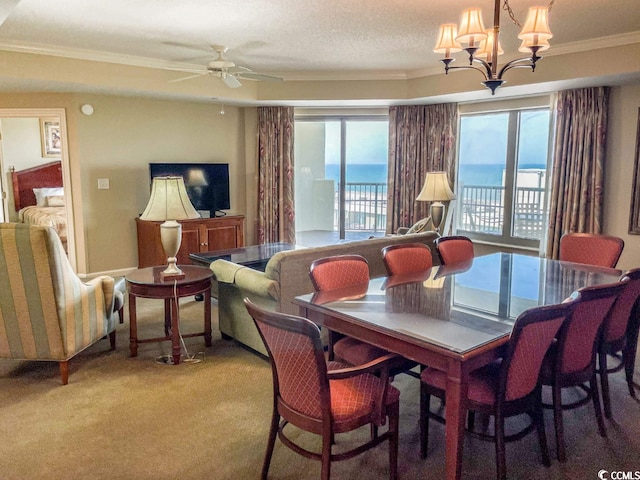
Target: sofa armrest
{"type": "Point", "coordinates": [252, 282]}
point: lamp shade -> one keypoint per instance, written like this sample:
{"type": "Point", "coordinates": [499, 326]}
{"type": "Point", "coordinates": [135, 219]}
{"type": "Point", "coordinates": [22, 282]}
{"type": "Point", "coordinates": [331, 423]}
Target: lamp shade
{"type": "Point", "coordinates": [471, 29]}
{"type": "Point", "coordinates": [169, 201]}
{"type": "Point", "coordinates": [436, 188]}
{"type": "Point", "coordinates": [486, 47]}
{"type": "Point", "coordinates": [447, 43]}
{"type": "Point", "coordinates": [536, 26]}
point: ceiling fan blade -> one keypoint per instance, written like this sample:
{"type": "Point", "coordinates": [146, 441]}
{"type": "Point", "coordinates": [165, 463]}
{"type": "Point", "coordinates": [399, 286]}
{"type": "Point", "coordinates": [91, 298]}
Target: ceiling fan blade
{"type": "Point", "coordinates": [187, 78]}
{"type": "Point", "coordinates": [259, 76]}
{"type": "Point", "coordinates": [231, 81]}
{"type": "Point", "coordinates": [187, 69]}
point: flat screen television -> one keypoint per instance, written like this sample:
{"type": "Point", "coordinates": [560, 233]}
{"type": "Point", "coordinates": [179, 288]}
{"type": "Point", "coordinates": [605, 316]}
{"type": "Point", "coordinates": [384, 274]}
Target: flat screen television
{"type": "Point", "coordinates": [207, 183]}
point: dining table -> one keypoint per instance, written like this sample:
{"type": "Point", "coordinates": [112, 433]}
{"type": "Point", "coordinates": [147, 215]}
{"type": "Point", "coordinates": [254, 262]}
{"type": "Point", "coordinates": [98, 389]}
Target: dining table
{"type": "Point", "coordinates": [455, 318]}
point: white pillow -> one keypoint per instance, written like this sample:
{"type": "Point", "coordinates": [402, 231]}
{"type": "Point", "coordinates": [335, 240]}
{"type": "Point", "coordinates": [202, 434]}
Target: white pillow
{"type": "Point", "coordinates": [42, 194]}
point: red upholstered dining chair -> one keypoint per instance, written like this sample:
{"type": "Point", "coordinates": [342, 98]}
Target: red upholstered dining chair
{"type": "Point", "coordinates": [454, 249]}
{"type": "Point", "coordinates": [620, 337]}
{"type": "Point", "coordinates": [324, 399]}
{"type": "Point", "coordinates": [407, 258]}
{"type": "Point", "coordinates": [591, 249]}
{"type": "Point", "coordinates": [340, 271]}
{"type": "Point", "coordinates": [571, 361]}
{"type": "Point", "coordinates": [507, 387]}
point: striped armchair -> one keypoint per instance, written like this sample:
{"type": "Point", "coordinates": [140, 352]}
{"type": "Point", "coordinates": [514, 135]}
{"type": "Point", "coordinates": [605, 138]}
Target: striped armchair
{"type": "Point", "coordinates": [46, 311]}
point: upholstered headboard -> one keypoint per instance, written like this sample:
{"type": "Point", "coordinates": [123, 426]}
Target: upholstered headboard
{"type": "Point", "coordinates": [24, 181]}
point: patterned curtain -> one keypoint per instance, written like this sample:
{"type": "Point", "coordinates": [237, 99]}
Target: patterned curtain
{"type": "Point", "coordinates": [578, 164]}
{"type": "Point", "coordinates": [422, 138]}
{"type": "Point", "coordinates": [275, 170]}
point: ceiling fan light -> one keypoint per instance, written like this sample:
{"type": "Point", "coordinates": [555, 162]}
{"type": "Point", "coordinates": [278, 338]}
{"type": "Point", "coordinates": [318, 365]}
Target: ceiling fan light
{"type": "Point", "coordinates": [220, 64]}
{"type": "Point", "coordinates": [536, 27]}
{"type": "Point", "coordinates": [447, 43]}
{"type": "Point", "coordinates": [471, 29]}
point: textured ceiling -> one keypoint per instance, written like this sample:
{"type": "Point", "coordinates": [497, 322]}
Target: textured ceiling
{"type": "Point", "coordinates": [292, 38]}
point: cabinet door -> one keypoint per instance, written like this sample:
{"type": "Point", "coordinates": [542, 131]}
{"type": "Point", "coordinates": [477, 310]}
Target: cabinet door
{"type": "Point", "coordinates": [191, 240]}
{"type": "Point", "coordinates": [220, 237]}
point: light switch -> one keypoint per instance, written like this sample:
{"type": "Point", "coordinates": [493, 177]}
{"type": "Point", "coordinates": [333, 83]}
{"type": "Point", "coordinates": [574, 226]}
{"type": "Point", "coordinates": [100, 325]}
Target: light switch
{"type": "Point", "coordinates": [103, 184]}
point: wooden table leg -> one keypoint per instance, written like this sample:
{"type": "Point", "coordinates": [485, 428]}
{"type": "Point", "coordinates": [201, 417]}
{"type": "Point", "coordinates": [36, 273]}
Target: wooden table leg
{"type": "Point", "coordinates": [207, 317]}
{"type": "Point", "coordinates": [175, 331]}
{"type": "Point", "coordinates": [456, 392]}
{"type": "Point", "coordinates": [167, 316]}
{"type": "Point", "coordinates": [133, 327]}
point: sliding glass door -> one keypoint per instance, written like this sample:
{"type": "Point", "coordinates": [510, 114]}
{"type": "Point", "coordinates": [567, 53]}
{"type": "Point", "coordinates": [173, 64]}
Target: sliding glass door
{"type": "Point", "coordinates": [340, 178]}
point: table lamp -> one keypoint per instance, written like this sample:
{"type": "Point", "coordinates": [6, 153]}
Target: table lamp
{"type": "Point", "coordinates": [436, 189]}
{"type": "Point", "coordinates": [169, 202]}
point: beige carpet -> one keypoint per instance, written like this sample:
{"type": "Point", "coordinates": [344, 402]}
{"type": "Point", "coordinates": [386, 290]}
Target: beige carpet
{"type": "Point", "coordinates": [132, 418]}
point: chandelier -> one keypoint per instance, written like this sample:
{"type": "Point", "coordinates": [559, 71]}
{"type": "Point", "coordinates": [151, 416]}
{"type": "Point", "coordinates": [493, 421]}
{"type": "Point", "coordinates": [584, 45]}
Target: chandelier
{"type": "Point", "coordinates": [483, 46]}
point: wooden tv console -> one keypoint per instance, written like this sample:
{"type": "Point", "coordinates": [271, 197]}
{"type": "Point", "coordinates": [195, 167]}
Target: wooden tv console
{"type": "Point", "coordinates": [198, 235]}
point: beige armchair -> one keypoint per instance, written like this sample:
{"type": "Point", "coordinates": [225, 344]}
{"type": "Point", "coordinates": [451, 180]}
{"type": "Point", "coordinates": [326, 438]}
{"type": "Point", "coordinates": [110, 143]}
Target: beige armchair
{"type": "Point", "coordinates": [46, 311]}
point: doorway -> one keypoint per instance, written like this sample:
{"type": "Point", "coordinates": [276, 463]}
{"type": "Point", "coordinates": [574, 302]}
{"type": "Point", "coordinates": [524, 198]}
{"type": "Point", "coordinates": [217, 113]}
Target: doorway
{"type": "Point", "coordinates": [341, 178]}
{"type": "Point", "coordinates": [22, 121]}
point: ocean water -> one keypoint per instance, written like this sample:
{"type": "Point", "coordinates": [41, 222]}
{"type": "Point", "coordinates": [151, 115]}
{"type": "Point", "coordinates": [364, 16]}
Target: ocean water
{"type": "Point", "coordinates": [377, 173]}
{"type": "Point", "coordinates": [358, 173]}
{"type": "Point", "coordinates": [487, 174]}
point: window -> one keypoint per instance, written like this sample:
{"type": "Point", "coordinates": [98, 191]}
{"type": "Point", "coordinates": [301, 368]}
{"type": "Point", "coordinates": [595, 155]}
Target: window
{"type": "Point", "coordinates": [340, 178]}
{"type": "Point", "coordinates": [502, 176]}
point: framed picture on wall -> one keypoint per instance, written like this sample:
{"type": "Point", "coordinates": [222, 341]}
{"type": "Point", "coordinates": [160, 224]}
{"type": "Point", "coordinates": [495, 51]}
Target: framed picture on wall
{"type": "Point", "coordinates": [50, 137]}
{"type": "Point", "coordinates": [634, 216]}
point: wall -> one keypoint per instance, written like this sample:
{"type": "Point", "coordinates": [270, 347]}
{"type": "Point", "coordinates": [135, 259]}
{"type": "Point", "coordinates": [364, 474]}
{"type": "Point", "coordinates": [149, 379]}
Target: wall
{"type": "Point", "coordinates": [621, 144]}
{"type": "Point", "coordinates": [117, 142]}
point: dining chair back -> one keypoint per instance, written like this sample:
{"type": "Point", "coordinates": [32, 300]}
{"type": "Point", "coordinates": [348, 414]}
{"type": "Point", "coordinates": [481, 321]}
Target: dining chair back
{"type": "Point", "coordinates": [508, 387]}
{"type": "Point", "coordinates": [591, 249]}
{"type": "Point", "coordinates": [407, 258]}
{"type": "Point", "coordinates": [571, 361]}
{"type": "Point", "coordinates": [339, 271]}
{"type": "Point", "coordinates": [323, 399]}
{"type": "Point", "coordinates": [620, 337]}
{"type": "Point", "coordinates": [454, 249]}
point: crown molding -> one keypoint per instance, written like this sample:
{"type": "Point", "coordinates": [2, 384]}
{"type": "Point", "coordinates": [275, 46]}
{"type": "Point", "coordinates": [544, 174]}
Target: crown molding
{"type": "Point", "coordinates": [379, 75]}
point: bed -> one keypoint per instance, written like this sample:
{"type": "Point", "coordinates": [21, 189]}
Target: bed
{"type": "Point", "coordinates": [39, 198]}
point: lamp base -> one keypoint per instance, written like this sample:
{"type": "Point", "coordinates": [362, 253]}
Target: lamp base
{"type": "Point", "coordinates": [167, 277]}
{"type": "Point", "coordinates": [437, 213]}
{"type": "Point", "coordinates": [172, 272]}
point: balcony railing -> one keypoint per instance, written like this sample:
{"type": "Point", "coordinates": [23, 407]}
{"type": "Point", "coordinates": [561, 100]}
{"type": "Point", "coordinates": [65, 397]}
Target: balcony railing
{"type": "Point", "coordinates": [365, 207]}
{"type": "Point", "coordinates": [481, 209]}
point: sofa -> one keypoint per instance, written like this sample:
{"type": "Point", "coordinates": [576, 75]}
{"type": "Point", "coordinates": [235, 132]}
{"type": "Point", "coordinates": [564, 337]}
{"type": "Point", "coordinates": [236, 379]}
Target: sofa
{"type": "Point", "coordinates": [286, 276]}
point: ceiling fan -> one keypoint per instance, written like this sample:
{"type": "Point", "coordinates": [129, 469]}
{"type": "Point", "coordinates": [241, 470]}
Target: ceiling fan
{"type": "Point", "coordinates": [225, 70]}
